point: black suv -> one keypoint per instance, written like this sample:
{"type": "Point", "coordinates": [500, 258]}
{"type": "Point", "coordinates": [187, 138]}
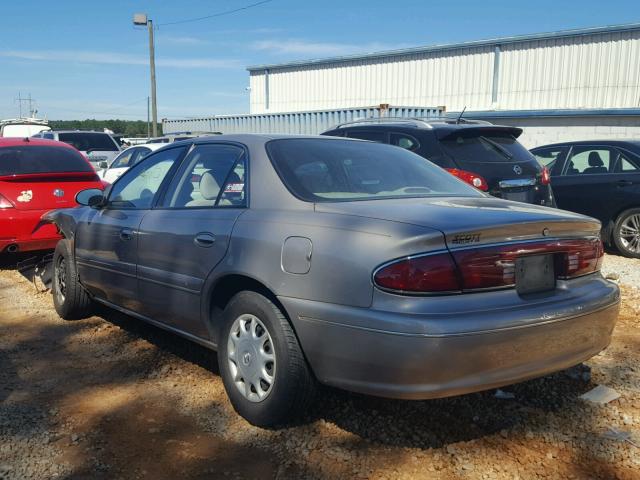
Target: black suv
{"type": "Point", "coordinates": [487, 156]}
{"type": "Point", "coordinates": [600, 179]}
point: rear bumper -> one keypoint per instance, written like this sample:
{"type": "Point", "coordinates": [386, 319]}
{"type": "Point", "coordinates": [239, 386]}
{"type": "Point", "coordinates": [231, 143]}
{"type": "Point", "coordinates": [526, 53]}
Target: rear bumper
{"type": "Point", "coordinates": [420, 359]}
{"type": "Point", "coordinates": [25, 230]}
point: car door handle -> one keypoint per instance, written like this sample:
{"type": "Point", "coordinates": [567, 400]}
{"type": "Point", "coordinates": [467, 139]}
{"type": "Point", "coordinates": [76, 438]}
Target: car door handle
{"type": "Point", "coordinates": [205, 240]}
{"type": "Point", "coordinates": [126, 234]}
{"type": "Point", "coordinates": [624, 183]}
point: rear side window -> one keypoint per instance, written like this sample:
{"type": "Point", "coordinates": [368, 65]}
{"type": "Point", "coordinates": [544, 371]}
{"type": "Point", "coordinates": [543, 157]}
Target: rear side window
{"type": "Point", "coordinates": [342, 170]}
{"type": "Point", "coordinates": [628, 163]}
{"type": "Point", "coordinates": [470, 148]}
{"type": "Point", "coordinates": [404, 141]}
{"type": "Point", "coordinates": [380, 137]}
{"type": "Point", "coordinates": [41, 159]}
{"type": "Point", "coordinates": [87, 141]}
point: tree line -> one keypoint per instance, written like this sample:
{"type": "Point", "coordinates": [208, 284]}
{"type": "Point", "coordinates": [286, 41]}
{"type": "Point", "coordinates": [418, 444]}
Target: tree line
{"type": "Point", "coordinates": [129, 128]}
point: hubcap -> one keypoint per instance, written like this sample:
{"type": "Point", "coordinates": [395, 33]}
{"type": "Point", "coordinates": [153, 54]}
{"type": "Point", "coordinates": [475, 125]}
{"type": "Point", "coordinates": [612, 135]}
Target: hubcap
{"type": "Point", "coordinates": [61, 279]}
{"type": "Point", "coordinates": [251, 356]}
{"type": "Point", "coordinates": [630, 233]}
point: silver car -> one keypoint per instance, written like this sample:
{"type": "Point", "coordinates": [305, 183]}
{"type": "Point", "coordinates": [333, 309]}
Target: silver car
{"type": "Point", "coordinates": [353, 264]}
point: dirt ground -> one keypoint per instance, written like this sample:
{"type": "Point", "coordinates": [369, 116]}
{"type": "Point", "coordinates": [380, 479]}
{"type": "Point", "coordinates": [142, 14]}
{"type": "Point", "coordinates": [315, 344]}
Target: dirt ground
{"type": "Point", "coordinates": [112, 398]}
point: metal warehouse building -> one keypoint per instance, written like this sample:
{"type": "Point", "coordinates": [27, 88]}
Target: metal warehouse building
{"type": "Point", "coordinates": [573, 84]}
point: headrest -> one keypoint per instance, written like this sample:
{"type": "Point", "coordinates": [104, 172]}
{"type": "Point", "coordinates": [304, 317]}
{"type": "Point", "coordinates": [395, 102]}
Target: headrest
{"type": "Point", "coordinates": [595, 160]}
{"type": "Point", "coordinates": [209, 187]}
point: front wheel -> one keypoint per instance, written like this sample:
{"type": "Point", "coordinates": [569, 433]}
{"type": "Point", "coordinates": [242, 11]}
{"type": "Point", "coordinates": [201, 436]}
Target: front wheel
{"type": "Point", "coordinates": [70, 299]}
{"type": "Point", "coordinates": [626, 233]}
{"type": "Point", "coordinates": [262, 366]}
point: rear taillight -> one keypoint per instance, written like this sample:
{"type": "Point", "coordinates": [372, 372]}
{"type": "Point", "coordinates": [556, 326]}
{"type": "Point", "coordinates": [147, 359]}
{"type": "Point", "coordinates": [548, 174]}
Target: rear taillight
{"type": "Point", "coordinates": [545, 176]}
{"type": "Point", "coordinates": [484, 268]}
{"type": "Point", "coordinates": [425, 274]}
{"type": "Point", "coordinates": [4, 203]}
{"type": "Point", "coordinates": [471, 178]}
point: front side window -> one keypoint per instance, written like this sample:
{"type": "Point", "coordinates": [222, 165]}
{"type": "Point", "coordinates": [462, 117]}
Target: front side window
{"type": "Point", "coordinates": [589, 161]}
{"type": "Point", "coordinates": [548, 156]}
{"type": "Point", "coordinates": [124, 159]}
{"type": "Point", "coordinates": [140, 184]}
{"type": "Point", "coordinates": [342, 170]}
{"type": "Point", "coordinates": [214, 175]}
{"type": "Point", "coordinates": [89, 141]}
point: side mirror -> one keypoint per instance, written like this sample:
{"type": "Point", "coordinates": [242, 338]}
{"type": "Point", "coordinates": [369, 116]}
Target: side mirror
{"type": "Point", "coordinates": [103, 165]}
{"type": "Point", "coordinates": [92, 197]}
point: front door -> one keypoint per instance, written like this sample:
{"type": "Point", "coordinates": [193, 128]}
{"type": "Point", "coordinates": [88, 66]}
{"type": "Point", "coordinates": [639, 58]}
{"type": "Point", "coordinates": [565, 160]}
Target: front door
{"type": "Point", "coordinates": [187, 234]}
{"type": "Point", "coordinates": [585, 183]}
{"type": "Point", "coordinates": [106, 242]}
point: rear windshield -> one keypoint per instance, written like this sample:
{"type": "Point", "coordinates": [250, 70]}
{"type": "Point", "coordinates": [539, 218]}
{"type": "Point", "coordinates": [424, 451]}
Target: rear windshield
{"type": "Point", "coordinates": [341, 170]}
{"type": "Point", "coordinates": [41, 159]}
{"type": "Point", "coordinates": [475, 147]}
{"type": "Point", "coordinates": [87, 142]}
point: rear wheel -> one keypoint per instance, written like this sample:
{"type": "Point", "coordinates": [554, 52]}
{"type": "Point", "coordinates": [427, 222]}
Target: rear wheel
{"type": "Point", "coordinates": [262, 366]}
{"type": "Point", "coordinates": [69, 297]}
{"type": "Point", "coordinates": [626, 233]}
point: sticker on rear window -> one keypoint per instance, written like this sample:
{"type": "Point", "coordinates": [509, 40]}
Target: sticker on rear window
{"type": "Point", "coordinates": [25, 196]}
{"type": "Point", "coordinates": [234, 188]}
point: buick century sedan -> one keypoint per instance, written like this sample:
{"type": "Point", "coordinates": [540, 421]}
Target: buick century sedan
{"type": "Point", "coordinates": [363, 266]}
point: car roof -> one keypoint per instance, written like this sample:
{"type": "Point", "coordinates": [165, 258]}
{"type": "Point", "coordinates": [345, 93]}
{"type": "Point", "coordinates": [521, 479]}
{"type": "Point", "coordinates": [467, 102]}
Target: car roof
{"type": "Point", "coordinates": [254, 138]}
{"type": "Point", "coordinates": [619, 143]}
{"type": "Point", "coordinates": [78, 131]}
{"type": "Point", "coordinates": [30, 141]}
{"type": "Point", "coordinates": [441, 127]}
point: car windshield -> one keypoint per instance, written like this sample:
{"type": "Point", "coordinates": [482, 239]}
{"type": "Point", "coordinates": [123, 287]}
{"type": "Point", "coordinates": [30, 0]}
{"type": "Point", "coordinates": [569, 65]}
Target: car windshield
{"type": "Point", "coordinates": [318, 170]}
{"type": "Point", "coordinates": [41, 159]}
{"type": "Point", "coordinates": [87, 141]}
{"type": "Point", "coordinates": [470, 148]}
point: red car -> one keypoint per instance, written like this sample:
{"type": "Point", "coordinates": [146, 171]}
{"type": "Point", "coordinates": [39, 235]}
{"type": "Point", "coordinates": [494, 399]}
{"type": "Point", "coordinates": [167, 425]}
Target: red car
{"type": "Point", "coordinates": [37, 176]}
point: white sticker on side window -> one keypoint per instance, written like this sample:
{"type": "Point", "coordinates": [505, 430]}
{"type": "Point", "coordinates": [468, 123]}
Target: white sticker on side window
{"type": "Point", "coordinates": [234, 188]}
{"type": "Point", "coordinates": [25, 196]}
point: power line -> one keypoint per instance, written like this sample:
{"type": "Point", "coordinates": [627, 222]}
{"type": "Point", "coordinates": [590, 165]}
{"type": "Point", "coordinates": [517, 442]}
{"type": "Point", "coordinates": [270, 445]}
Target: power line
{"type": "Point", "coordinates": [220, 14]}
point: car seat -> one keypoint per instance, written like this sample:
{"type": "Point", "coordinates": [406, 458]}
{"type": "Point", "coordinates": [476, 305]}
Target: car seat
{"type": "Point", "coordinates": [209, 190]}
{"type": "Point", "coordinates": [596, 165]}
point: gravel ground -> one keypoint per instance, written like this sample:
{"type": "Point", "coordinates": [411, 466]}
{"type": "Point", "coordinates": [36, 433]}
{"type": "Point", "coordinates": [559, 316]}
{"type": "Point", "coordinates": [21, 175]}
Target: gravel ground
{"type": "Point", "coordinates": [110, 397]}
{"type": "Point", "coordinates": [622, 269]}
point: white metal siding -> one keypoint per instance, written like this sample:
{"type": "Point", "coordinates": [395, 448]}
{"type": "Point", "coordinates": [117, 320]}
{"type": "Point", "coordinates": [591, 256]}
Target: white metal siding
{"type": "Point", "coordinates": [455, 79]}
{"type": "Point", "coordinates": [310, 123]}
{"type": "Point", "coordinates": [595, 71]}
{"type": "Point", "coordinates": [600, 70]}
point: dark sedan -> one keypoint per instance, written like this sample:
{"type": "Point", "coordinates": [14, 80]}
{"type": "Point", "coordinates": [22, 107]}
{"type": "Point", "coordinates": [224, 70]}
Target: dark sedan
{"type": "Point", "coordinates": [600, 179]}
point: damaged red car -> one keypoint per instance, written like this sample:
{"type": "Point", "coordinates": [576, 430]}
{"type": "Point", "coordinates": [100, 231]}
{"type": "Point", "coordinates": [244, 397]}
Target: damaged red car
{"type": "Point", "coordinates": [37, 176]}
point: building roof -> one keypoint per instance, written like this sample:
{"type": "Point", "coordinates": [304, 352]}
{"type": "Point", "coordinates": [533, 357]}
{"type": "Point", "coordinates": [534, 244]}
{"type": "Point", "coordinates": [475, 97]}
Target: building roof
{"type": "Point", "coordinates": [454, 46]}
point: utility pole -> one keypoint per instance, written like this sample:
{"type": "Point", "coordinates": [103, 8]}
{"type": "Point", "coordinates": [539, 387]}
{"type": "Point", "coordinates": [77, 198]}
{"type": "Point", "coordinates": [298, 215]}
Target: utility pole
{"type": "Point", "coordinates": [142, 19]}
{"type": "Point", "coordinates": [148, 121]}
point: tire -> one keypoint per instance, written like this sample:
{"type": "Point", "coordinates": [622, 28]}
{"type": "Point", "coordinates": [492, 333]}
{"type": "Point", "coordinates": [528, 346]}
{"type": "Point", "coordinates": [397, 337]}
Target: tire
{"type": "Point", "coordinates": [626, 233]}
{"type": "Point", "coordinates": [70, 299]}
{"type": "Point", "coordinates": [278, 400]}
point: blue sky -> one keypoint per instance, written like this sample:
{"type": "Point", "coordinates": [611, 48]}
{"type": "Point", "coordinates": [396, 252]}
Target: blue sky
{"type": "Point", "coordinates": [84, 59]}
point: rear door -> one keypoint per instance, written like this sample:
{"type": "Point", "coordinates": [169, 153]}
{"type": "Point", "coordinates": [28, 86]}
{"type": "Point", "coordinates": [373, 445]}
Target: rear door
{"type": "Point", "coordinates": [187, 234]}
{"type": "Point", "coordinates": [106, 241]}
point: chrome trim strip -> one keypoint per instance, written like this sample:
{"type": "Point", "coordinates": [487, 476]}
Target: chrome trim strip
{"type": "Point", "coordinates": [517, 182]}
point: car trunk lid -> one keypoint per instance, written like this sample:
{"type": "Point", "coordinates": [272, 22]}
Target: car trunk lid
{"type": "Point", "coordinates": [42, 191]}
{"type": "Point", "coordinates": [473, 221]}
